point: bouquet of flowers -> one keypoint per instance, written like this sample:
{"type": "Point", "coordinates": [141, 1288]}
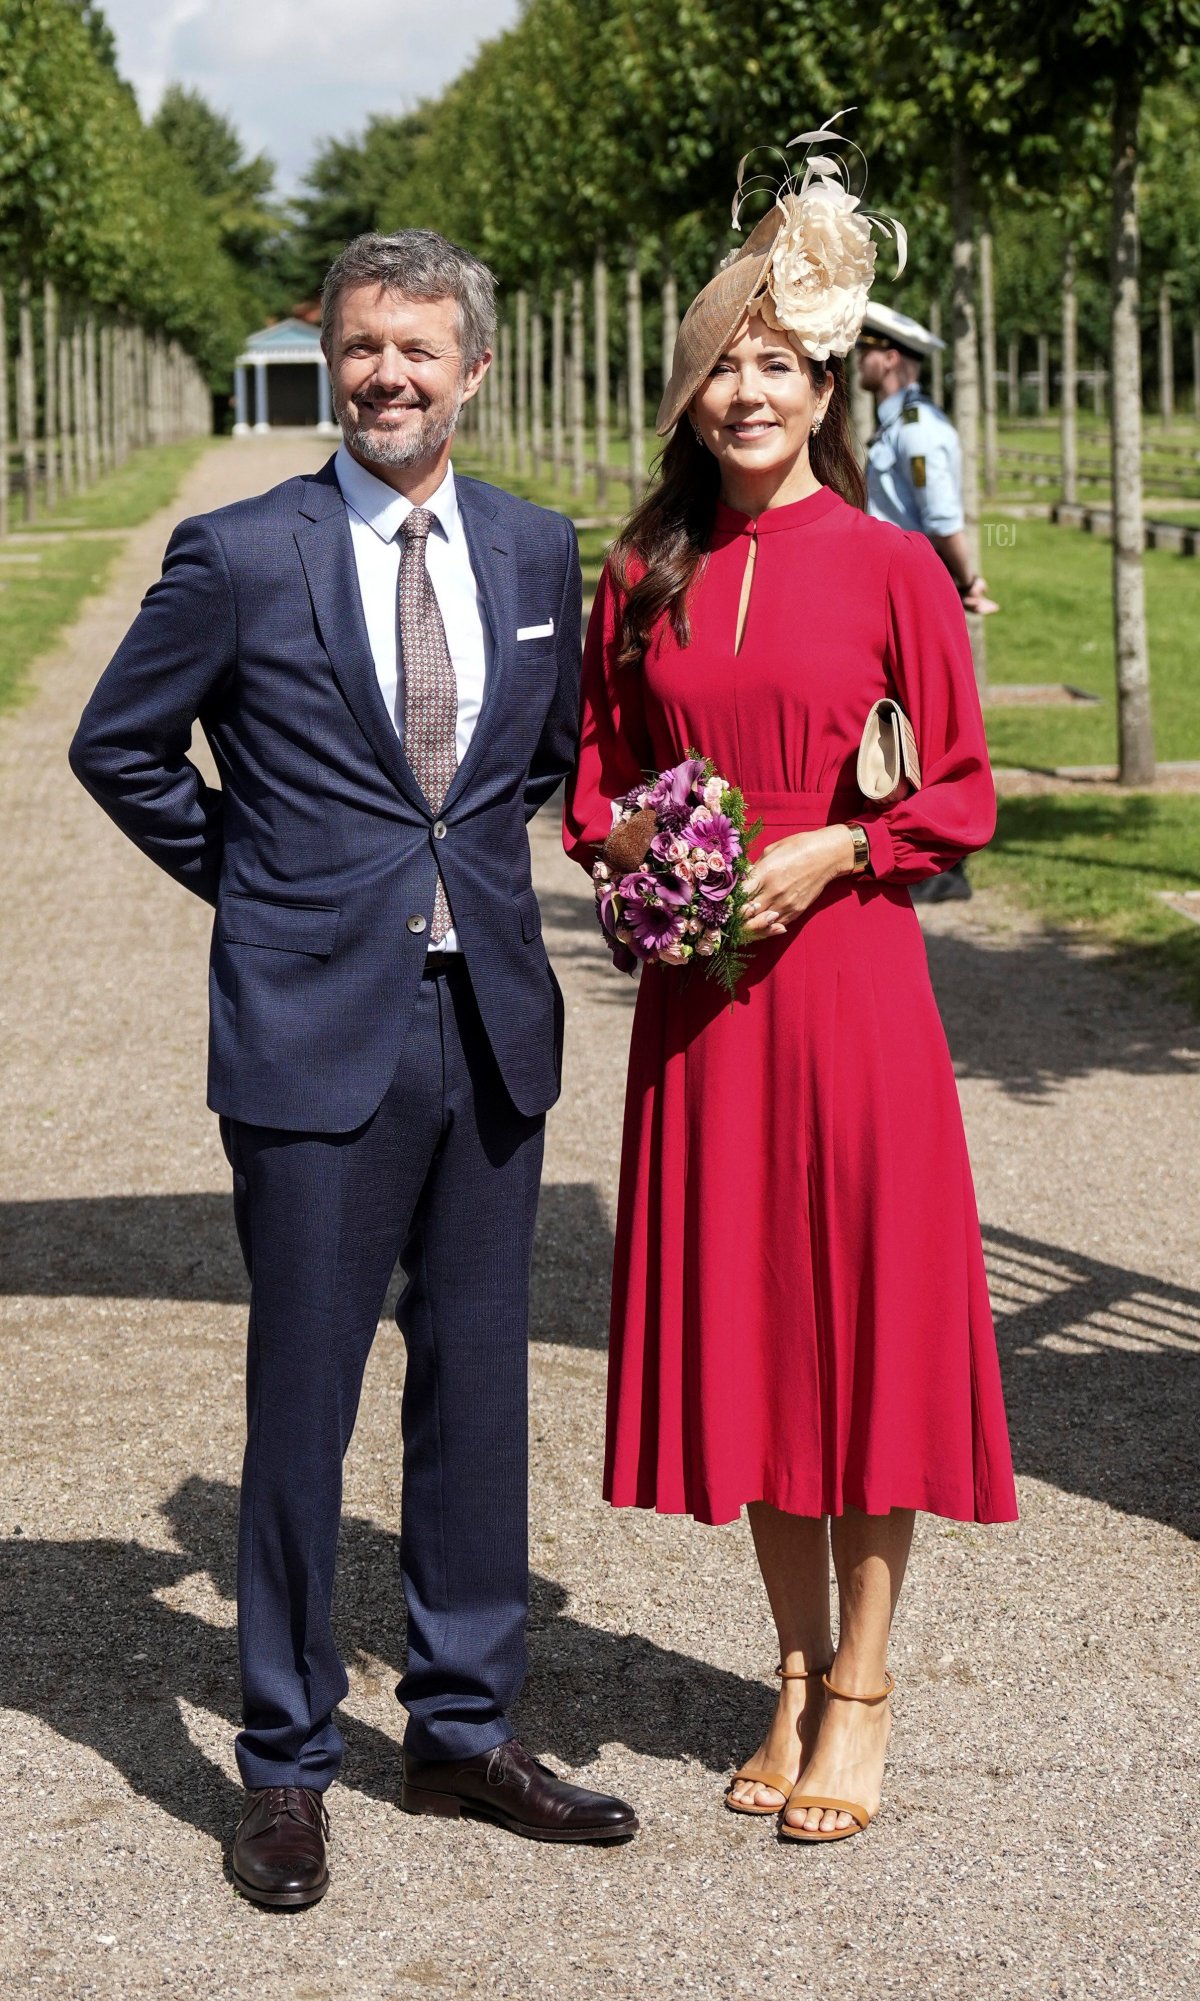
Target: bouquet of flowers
{"type": "Point", "coordinates": [669, 881]}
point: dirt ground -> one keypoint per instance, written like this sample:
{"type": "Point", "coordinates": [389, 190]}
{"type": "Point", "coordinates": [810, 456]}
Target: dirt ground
{"type": "Point", "coordinates": [1040, 1822]}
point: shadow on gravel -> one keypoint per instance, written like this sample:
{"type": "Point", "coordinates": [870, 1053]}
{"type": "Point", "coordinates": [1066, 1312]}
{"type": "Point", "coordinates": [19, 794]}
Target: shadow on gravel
{"type": "Point", "coordinates": [185, 1247]}
{"type": "Point", "coordinates": [1101, 1377]}
{"type": "Point", "coordinates": [1041, 1011]}
{"type": "Point", "coordinates": [97, 1651]}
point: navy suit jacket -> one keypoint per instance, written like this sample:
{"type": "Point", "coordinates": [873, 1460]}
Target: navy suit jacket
{"type": "Point", "coordinates": [320, 846]}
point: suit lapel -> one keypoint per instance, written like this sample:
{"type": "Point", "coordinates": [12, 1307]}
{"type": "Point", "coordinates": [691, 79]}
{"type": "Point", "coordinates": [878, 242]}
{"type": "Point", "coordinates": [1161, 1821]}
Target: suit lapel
{"type": "Point", "coordinates": [326, 551]}
{"type": "Point", "coordinates": [492, 559]}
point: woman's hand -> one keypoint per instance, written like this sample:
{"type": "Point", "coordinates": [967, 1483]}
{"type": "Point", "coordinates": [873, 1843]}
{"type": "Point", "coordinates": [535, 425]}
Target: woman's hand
{"type": "Point", "coordinates": [790, 874]}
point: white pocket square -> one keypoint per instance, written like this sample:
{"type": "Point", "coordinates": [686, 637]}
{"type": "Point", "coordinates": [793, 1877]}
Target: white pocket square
{"type": "Point", "coordinates": [536, 631]}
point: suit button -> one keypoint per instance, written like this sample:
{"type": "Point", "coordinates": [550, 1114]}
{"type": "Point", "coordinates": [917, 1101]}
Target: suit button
{"type": "Point", "coordinates": [416, 924]}
{"type": "Point", "coordinates": [439, 830]}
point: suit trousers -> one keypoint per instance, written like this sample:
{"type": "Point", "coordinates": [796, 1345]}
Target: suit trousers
{"type": "Point", "coordinates": [444, 1177]}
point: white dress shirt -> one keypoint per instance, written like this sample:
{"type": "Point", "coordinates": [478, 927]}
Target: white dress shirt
{"type": "Point", "coordinates": [376, 512]}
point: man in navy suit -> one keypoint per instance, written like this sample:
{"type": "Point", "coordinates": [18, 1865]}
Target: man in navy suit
{"type": "Point", "coordinates": [384, 659]}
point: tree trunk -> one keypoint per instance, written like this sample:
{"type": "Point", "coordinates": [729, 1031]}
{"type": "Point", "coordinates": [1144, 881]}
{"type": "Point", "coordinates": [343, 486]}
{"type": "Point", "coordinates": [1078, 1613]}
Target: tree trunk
{"type": "Point", "coordinates": [937, 370]}
{"type": "Point", "coordinates": [987, 334]}
{"type": "Point", "coordinates": [1043, 376]}
{"type": "Point", "coordinates": [557, 382]}
{"type": "Point", "coordinates": [108, 433]}
{"type": "Point", "coordinates": [636, 371]}
{"type": "Point", "coordinates": [66, 449]}
{"type": "Point", "coordinates": [578, 392]}
{"type": "Point", "coordinates": [50, 382]}
{"type": "Point", "coordinates": [78, 440]}
{"type": "Point", "coordinates": [506, 397]}
{"type": "Point", "coordinates": [1166, 356]}
{"type": "Point", "coordinates": [91, 406]}
{"type": "Point", "coordinates": [121, 393]}
{"type": "Point", "coordinates": [1014, 378]}
{"type": "Point", "coordinates": [670, 316]}
{"type": "Point", "coordinates": [600, 337]}
{"type": "Point", "coordinates": [1196, 373]}
{"type": "Point", "coordinates": [537, 388]}
{"type": "Point", "coordinates": [4, 465]}
{"type": "Point", "coordinates": [966, 375]}
{"type": "Point", "coordinates": [1069, 387]}
{"type": "Point", "coordinates": [522, 360]}
{"type": "Point", "coordinates": [1135, 724]}
{"type": "Point", "coordinates": [27, 400]}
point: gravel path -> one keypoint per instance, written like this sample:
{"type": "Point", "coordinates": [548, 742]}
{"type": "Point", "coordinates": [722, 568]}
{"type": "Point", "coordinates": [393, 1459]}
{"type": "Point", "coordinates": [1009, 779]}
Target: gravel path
{"type": "Point", "coordinates": [1039, 1831]}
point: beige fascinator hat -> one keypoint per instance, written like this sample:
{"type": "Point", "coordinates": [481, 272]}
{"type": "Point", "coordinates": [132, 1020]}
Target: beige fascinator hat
{"type": "Point", "coordinates": [806, 267]}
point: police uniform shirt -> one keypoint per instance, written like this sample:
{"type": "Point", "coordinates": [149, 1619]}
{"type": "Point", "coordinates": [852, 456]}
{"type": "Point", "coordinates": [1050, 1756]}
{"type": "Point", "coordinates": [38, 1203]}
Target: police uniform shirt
{"type": "Point", "coordinates": [914, 465]}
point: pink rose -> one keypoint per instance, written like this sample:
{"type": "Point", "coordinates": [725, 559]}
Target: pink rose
{"type": "Point", "coordinates": [699, 864]}
{"type": "Point", "coordinates": [708, 944]}
{"type": "Point", "coordinates": [712, 794]}
{"type": "Point", "coordinates": [675, 955]}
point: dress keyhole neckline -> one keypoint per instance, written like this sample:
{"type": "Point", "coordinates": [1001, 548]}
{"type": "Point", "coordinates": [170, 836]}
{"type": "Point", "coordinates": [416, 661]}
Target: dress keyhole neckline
{"type": "Point", "coordinates": [743, 612]}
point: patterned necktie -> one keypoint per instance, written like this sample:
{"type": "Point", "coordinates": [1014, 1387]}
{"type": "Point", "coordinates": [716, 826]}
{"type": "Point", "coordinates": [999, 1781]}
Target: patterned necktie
{"type": "Point", "coordinates": [430, 689]}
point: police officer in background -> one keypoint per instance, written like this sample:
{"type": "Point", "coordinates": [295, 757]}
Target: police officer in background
{"type": "Point", "coordinates": [914, 478]}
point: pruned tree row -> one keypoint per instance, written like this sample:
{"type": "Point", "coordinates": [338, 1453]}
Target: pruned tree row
{"type": "Point", "coordinates": [1010, 136]}
{"type": "Point", "coordinates": [81, 392]}
{"type": "Point", "coordinates": [129, 256]}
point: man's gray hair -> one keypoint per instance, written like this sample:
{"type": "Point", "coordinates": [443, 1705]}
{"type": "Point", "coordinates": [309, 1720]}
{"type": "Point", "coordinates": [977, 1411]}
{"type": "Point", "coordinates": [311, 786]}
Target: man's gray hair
{"type": "Point", "coordinates": [420, 264]}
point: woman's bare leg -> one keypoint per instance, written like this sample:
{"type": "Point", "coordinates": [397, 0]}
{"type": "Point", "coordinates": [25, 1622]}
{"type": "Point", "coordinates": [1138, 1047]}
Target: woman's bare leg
{"type": "Point", "coordinates": [793, 1555]}
{"type": "Point", "coordinates": [870, 1554]}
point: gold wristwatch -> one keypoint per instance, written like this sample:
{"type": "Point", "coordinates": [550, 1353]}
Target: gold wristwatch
{"type": "Point", "coordinates": [862, 849]}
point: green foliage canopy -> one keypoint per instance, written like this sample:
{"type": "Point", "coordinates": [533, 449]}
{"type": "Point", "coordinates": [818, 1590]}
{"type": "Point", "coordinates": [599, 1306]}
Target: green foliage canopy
{"type": "Point", "coordinates": [98, 201]}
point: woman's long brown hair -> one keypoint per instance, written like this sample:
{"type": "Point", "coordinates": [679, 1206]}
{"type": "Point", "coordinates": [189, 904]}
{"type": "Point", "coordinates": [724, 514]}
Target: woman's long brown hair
{"type": "Point", "coordinates": [666, 539]}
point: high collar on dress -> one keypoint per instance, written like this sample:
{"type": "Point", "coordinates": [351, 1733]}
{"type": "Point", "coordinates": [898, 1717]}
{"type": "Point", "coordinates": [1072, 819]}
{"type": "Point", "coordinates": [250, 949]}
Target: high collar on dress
{"type": "Point", "coordinates": [773, 520]}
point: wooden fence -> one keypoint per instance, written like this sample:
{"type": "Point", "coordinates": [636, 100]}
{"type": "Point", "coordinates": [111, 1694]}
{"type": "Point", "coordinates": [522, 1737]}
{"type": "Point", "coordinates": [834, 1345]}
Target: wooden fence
{"type": "Point", "coordinates": [550, 400]}
{"type": "Point", "coordinates": [83, 392]}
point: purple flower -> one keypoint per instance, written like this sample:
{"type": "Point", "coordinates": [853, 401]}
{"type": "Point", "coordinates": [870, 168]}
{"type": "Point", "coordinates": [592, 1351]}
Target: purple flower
{"type": "Point", "coordinates": [671, 795]}
{"type": "Point", "coordinates": [654, 911]}
{"type": "Point", "coordinates": [606, 910]}
{"type": "Point", "coordinates": [716, 834]}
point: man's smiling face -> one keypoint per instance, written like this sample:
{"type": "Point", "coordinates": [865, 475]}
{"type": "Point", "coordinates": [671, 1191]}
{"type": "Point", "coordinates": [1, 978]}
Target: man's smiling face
{"type": "Point", "coordinates": [399, 379]}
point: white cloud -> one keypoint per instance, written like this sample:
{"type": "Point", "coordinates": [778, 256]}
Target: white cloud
{"type": "Point", "coordinates": [290, 73]}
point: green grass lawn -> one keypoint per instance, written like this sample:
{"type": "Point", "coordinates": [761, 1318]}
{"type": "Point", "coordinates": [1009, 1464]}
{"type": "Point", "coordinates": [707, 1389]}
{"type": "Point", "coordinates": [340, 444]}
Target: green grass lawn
{"type": "Point", "coordinates": [1097, 864]}
{"type": "Point", "coordinates": [1091, 862]}
{"type": "Point", "coordinates": [39, 598]}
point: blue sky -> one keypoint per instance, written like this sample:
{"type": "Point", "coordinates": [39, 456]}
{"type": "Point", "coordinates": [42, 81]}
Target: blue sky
{"type": "Point", "coordinates": [292, 72]}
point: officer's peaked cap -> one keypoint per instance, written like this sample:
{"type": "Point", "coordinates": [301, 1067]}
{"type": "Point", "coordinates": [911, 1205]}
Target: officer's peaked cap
{"type": "Point", "coordinates": [895, 329]}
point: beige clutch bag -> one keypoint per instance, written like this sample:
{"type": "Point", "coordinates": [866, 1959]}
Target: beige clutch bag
{"type": "Point", "coordinates": [887, 755]}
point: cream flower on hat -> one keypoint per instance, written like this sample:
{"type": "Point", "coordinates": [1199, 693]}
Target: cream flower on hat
{"type": "Point", "coordinates": [820, 271]}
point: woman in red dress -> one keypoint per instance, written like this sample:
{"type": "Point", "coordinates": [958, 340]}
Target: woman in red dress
{"type": "Point", "coordinates": [800, 1318]}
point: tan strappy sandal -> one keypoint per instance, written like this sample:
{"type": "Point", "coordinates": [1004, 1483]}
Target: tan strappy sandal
{"type": "Point", "coordinates": [858, 1814]}
{"type": "Point", "coordinates": [775, 1780]}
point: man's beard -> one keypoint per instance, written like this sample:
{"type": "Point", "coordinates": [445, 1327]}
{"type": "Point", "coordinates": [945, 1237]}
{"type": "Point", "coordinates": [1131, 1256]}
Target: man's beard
{"type": "Point", "coordinates": [384, 447]}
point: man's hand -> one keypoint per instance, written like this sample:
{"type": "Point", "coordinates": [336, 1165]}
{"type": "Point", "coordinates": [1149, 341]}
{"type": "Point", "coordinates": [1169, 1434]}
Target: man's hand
{"type": "Point", "coordinates": [790, 875]}
{"type": "Point", "coordinates": [975, 597]}
{"type": "Point", "coordinates": [955, 553]}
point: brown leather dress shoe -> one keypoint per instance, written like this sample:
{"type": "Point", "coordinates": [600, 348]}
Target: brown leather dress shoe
{"type": "Point", "coordinates": [279, 1847]}
{"type": "Point", "coordinates": [517, 1792]}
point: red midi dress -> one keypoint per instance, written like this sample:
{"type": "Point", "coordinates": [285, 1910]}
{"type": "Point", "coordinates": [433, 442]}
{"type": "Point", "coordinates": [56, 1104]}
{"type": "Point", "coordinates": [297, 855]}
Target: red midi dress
{"type": "Point", "coordinates": [800, 1312]}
